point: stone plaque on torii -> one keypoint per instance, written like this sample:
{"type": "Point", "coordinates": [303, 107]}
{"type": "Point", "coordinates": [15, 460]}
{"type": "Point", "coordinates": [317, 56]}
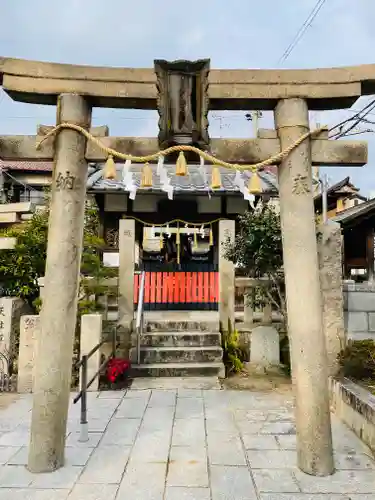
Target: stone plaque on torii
{"type": "Point", "coordinates": [184, 92]}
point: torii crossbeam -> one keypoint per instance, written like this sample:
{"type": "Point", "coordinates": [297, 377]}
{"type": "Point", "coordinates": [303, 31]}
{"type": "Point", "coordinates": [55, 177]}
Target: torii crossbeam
{"type": "Point", "coordinates": [188, 90]}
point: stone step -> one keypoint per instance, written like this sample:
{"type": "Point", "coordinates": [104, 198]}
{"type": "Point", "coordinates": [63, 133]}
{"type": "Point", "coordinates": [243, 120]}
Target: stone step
{"type": "Point", "coordinates": [151, 355]}
{"type": "Point", "coordinates": [178, 370]}
{"type": "Point", "coordinates": [180, 339]}
{"type": "Point", "coordinates": [181, 326]}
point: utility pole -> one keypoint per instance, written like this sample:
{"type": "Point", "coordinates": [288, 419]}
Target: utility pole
{"type": "Point", "coordinates": [254, 116]}
{"type": "Point", "coordinates": [323, 181]}
{"type": "Point", "coordinates": [256, 123]}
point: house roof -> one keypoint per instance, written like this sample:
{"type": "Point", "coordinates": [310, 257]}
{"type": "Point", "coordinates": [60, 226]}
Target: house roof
{"type": "Point", "coordinates": [354, 213]}
{"type": "Point", "coordinates": [343, 183]}
{"type": "Point", "coordinates": [30, 166]}
{"type": "Point", "coordinates": [193, 182]}
{"type": "Point", "coordinates": [338, 188]}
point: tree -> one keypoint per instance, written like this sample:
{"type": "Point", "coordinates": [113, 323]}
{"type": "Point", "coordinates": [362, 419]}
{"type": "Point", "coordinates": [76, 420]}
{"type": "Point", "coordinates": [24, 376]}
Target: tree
{"type": "Point", "coordinates": [257, 253]}
{"type": "Point", "coordinates": [21, 267]}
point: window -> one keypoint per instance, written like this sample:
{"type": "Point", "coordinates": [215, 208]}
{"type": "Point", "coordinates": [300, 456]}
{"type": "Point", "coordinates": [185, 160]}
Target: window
{"type": "Point", "coordinates": [36, 195]}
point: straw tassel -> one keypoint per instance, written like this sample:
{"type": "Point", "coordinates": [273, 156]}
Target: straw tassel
{"type": "Point", "coordinates": [109, 168]}
{"type": "Point", "coordinates": [195, 240]}
{"type": "Point", "coordinates": [181, 165]}
{"type": "Point", "coordinates": [161, 240]}
{"type": "Point", "coordinates": [215, 178]}
{"type": "Point", "coordinates": [255, 184]}
{"type": "Point", "coordinates": [146, 180]}
{"type": "Point", "coordinates": [211, 242]}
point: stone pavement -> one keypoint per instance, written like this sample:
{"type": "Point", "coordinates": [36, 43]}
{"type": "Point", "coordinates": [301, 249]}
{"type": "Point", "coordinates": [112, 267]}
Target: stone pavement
{"type": "Point", "coordinates": [181, 445]}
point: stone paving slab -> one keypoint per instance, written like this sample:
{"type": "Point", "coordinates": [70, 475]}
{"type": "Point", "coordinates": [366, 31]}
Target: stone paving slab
{"type": "Point", "coordinates": [181, 444]}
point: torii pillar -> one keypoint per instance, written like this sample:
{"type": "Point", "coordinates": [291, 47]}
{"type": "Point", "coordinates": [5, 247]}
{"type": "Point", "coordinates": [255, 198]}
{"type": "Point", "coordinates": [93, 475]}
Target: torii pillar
{"type": "Point", "coordinates": [59, 309]}
{"type": "Point", "coordinates": [303, 292]}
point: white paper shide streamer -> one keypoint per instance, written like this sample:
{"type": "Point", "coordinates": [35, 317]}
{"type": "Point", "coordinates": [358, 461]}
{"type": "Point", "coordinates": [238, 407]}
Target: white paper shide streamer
{"type": "Point", "coordinates": [128, 180]}
{"type": "Point", "coordinates": [160, 164]}
{"type": "Point", "coordinates": [240, 183]}
{"type": "Point", "coordinates": [165, 181]}
{"type": "Point", "coordinates": [203, 172]}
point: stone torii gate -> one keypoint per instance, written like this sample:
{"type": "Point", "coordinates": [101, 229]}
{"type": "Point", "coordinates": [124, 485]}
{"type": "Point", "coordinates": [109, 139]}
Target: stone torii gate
{"type": "Point", "coordinates": [183, 93]}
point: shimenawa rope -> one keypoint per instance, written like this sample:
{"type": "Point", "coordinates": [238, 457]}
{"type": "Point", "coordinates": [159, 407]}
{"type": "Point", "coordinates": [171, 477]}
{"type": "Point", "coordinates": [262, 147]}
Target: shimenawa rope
{"type": "Point", "coordinates": [181, 148]}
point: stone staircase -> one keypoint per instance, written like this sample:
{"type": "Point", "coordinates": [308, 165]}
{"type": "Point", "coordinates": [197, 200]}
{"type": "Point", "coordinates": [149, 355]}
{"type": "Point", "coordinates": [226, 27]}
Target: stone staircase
{"type": "Point", "coordinates": [179, 349]}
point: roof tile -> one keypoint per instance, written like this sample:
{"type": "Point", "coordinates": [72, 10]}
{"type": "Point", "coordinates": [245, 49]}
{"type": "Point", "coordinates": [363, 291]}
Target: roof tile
{"type": "Point", "coordinates": [193, 182]}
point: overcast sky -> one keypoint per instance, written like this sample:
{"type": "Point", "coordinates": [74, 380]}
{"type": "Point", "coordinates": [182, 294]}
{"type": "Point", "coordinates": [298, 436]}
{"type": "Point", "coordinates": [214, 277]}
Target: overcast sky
{"type": "Point", "coordinates": [235, 34]}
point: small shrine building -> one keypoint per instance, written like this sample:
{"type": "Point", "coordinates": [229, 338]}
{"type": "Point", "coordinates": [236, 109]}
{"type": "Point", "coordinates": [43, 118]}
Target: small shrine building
{"type": "Point", "coordinates": [176, 226]}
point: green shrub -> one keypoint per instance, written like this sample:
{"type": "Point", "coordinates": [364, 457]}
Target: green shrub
{"type": "Point", "coordinates": [233, 355]}
{"type": "Point", "coordinates": [357, 360]}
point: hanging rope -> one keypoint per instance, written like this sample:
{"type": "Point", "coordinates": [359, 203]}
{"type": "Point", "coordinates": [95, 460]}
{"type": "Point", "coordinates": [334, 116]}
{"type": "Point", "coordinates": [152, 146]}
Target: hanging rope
{"type": "Point", "coordinates": [174, 221]}
{"type": "Point", "coordinates": [181, 148]}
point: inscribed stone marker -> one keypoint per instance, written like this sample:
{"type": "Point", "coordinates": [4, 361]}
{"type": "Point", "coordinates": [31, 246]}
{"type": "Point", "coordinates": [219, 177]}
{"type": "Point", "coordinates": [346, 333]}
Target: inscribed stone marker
{"type": "Point", "coordinates": [29, 330]}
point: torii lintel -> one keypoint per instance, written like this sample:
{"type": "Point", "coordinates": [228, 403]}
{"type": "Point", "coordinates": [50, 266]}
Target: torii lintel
{"type": "Point", "coordinates": [239, 89]}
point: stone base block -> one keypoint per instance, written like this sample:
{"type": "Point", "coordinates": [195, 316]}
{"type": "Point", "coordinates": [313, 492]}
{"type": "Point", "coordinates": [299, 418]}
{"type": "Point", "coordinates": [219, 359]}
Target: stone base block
{"type": "Point", "coordinates": [361, 336]}
{"type": "Point", "coordinates": [260, 369]}
{"type": "Point", "coordinates": [355, 406]}
{"type": "Point", "coordinates": [356, 321]}
{"type": "Point", "coordinates": [150, 355]}
{"type": "Point", "coordinates": [91, 335]}
{"type": "Point", "coordinates": [180, 339]}
{"type": "Point", "coordinates": [265, 346]}
{"type": "Point", "coordinates": [178, 370]}
{"type": "Point", "coordinates": [180, 326]}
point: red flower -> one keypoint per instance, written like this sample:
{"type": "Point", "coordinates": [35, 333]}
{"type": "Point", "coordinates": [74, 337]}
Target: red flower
{"type": "Point", "coordinates": [116, 367]}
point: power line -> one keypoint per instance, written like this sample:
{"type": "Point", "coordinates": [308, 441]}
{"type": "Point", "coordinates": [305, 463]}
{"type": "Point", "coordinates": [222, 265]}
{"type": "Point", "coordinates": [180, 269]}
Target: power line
{"type": "Point", "coordinates": [352, 110]}
{"type": "Point", "coordinates": [366, 131]}
{"type": "Point", "coordinates": [26, 186]}
{"type": "Point", "coordinates": [357, 118]}
{"type": "Point", "coordinates": [306, 24]}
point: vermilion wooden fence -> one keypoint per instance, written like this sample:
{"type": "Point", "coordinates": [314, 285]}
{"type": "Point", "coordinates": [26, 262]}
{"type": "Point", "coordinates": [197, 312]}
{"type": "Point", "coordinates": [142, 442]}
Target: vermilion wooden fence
{"type": "Point", "coordinates": [179, 290]}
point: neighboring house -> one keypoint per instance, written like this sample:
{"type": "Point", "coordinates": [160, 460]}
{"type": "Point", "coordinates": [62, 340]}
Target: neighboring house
{"type": "Point", "coordinates": [24, 181]}
{"type": "Point", "coordinates": [356, 215]}
{"type": "Point", "coordinates": [340, 197]}
{"type": "Point", "coordinates": [22, 190]}
{"type": "Point", "coordinates": [358, 223]}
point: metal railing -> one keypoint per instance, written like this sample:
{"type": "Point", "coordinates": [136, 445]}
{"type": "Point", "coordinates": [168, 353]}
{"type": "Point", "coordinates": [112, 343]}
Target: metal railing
{"type": "Point", "coordinates": [85, 385]}
{"type": "Point", "coordinates": [140, 315]}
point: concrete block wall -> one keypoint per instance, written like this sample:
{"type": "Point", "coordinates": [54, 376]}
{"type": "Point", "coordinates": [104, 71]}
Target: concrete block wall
{"type": "Point", "coordinates": [14, 213]}
{"type": "Point", "coordinates": [359, 310]}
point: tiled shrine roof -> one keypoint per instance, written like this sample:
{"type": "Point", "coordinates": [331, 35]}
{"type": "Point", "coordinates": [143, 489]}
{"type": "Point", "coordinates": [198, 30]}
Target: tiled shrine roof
{"type": "Point", "coordinates": [193, 182]}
